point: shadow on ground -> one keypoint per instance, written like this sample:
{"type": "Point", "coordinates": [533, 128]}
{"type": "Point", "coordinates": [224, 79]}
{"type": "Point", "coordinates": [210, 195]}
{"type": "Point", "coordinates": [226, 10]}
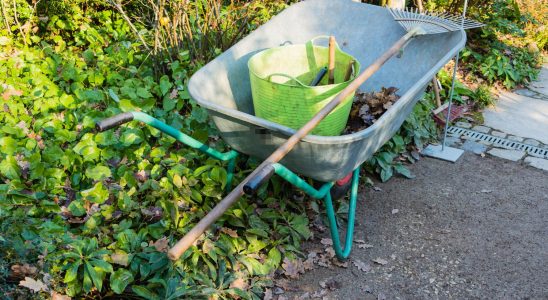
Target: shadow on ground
{"type": "Point", "coordinates": [474, 229]}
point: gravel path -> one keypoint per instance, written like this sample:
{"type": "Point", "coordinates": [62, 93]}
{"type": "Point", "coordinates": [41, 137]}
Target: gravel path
{"type": "Point", "coordinates": [474, 229]}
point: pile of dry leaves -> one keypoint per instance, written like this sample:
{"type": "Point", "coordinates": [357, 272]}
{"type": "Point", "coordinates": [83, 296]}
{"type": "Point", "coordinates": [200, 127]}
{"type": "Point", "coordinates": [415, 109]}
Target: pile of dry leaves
{"type": "Point", "coordinates": [367, 108]}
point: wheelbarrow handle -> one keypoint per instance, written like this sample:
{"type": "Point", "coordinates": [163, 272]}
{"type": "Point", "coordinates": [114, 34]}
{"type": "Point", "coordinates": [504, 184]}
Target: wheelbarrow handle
{"type": "Point", "coordinates": [183, 244]}
{"type": "Point", "coordinates": [114, 121]}
{"type": "Point", "coordinates": [261, 177]}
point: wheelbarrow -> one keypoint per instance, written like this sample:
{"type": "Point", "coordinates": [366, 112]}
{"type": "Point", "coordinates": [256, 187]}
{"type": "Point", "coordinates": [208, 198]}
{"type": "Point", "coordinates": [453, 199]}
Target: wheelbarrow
{"type": "Point", "coordinates": [222, 87]}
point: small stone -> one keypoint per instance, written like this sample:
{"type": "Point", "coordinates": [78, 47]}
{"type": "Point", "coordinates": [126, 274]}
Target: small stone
{"type": "Point", "coordinates": [538, 163]}
{"type": "Point", "coordinates": [474, 147]}
{"type": "Point", "coordinates": [531, 142]}
{"type": "Point", "coordinates": [499, 134]}
{"type": "Point", "coordinates": [513, 155]}
{"type": "Point", "coordinates": [463, 125]}
{"type": "Point", "coordinates": [515, 138]}
{"type": "Point", "coordinates": [482, 129]}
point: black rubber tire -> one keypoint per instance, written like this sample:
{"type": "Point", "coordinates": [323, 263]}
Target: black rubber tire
{"type": "Point", "coordinates": [339, 191]}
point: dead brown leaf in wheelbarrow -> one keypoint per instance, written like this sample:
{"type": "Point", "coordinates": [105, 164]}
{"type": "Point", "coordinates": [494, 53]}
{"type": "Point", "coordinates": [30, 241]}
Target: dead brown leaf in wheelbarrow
{"type": "Point", "coordinates": [367, 108]}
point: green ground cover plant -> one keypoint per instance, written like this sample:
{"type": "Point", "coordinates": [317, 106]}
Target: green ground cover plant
{"type": "Point", "coordinates": [89, 214]}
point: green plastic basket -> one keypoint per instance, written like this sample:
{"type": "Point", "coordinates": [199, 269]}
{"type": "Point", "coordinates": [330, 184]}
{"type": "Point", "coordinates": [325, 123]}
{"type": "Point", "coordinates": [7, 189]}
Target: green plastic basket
{"type": "Point", "coordinates": [279, 78]}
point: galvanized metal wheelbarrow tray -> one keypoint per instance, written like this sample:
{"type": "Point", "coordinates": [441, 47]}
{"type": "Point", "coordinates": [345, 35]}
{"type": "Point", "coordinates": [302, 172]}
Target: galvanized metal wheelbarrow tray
{"type": "Point", "coordinates": [364, 31]}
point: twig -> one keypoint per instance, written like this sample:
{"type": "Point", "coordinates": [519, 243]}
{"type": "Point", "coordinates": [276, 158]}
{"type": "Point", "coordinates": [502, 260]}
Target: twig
{"type": "Point", "coordinates": [121, 10]}
{"type": "Point", "coordinates": [19, 24]}
{"type": "Point", "coordinates": [5, 15]}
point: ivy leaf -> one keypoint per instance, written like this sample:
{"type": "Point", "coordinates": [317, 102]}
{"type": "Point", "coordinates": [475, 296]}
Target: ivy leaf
{"type": "Point", "coordinates": [77, 209]}
{"type": "Point", "coordinates": [113, 95]}
{"type": "Point", "coordinates": [120, 279]}
{"type": "Point", "coordinates": [97, 194]}
{"type": "Point", "coordinates": [131, 136]}
{"type": "Point", "coordinates": [98, 172]}
{"type": "Point", "coordinates": [9, 168]}
{"type": "Point", "coordinates": [8, 145]}
{"type": "Point", "coordinates": [165, 85]}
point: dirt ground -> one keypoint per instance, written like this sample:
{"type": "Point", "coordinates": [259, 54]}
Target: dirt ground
{"type": "Point", "coordinates": [474, 229]}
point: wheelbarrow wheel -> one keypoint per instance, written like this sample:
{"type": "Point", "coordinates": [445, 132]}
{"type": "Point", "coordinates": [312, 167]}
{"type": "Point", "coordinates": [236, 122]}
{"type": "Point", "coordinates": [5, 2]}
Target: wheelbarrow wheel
{"type": "Point", "coordinates": [341, 187]}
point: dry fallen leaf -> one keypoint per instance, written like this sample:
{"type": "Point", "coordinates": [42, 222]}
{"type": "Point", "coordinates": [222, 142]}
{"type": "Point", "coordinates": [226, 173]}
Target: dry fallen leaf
{"type": "Point", "coordinates": [330, 284]}
{"type": "Point", "coordinates": [57, 296]}
{"type": "Point", "coordinates": [267, 294]}
{"type": "Point", "coordinates": [319, 294]}
{"type": "Point", "coordinates": [239, 283]}
{"type": "Point", "coordinates": [364, 267]}
{"type": "Point", "coordinates": [22, 270]}
{"type": "Point", "coordinates": [380, 261]}
{"type": "Point", "coordinates": [230, 232]}
{"type": "Point", "coordinates": [120, 259]}
{"type": "Point", "coordinates": [327, 242]}
{"type": "Point", "coordinates": [292, 267]}
{"type": "Point", "coordinates": [34, 285]}
{"type": "Point", "coordinates": [341, 264]}
{"type": "Point", "coordinates": [362, 244]}
{"type": "Point", "coordinates": [161, 245]}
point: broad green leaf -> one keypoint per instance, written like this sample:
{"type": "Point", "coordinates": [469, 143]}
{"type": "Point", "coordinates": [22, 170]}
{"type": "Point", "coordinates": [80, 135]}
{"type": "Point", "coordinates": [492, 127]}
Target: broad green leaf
{"type": "Point", "coordinates": [165, 85]}
{"type": "Point", "coordinates": [94, 275]}
{"type": "Point", "coordinates": [76, 208]}
{"type": "Point", "coordinates": [72, 272]}
{"type": "Point", "coordinates": [120, 279]}
{"type": "Point", "coordinates": [97, 194]}
{"type": "Point", "coordinates": [8, 145]}
{"type": "Point", "coordinates": [98, 172]}
{"type": "Point", "coordinates": [400, 169]}
{"type": "Point", "coordinates": [145, 292]}
{"type": "Point", "coordinates": [113, 95]}
{"type": "Point", "coordinates": [131, 136]}
{"type": "Point", "coordinates": [9, 168]}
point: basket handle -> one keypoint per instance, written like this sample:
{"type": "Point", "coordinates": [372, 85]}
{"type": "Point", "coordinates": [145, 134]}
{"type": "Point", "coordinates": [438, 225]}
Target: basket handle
{"type": "Point", "coordinates": [287, 76]}
{"type": "Point", "coordinates": [321, 37]}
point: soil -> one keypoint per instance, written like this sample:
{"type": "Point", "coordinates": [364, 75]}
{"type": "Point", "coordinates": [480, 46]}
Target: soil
{"type": "Point", "coordinates": [474, 229]}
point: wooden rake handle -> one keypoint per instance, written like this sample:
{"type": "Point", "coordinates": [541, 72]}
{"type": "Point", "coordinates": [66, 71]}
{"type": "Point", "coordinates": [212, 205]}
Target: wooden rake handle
{"type": "Point", "coordinates": [187, 241]}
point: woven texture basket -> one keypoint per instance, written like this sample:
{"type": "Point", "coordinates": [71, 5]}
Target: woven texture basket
{"type": "Point", "coordinates": [279, 86]}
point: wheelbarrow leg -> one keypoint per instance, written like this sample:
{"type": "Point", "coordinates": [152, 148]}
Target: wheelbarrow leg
{"type": "Point", "coordinates": [339, 251]}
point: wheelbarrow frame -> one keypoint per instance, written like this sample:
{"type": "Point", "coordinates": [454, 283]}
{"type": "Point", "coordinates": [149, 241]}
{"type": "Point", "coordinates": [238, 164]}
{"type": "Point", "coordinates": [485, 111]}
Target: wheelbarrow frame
{"type": "Point", "coordinates": [222, 87]}
{"type": "Point", "coordinates": [323, 193]}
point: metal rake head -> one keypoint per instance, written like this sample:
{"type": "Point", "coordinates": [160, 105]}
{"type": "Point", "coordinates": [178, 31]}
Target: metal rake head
{"type": "Point", "coordinates": [431, 22]}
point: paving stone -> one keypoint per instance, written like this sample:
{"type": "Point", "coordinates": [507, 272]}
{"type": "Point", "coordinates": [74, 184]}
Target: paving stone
{"type": "Point", "coordinates": [515, 138]}
{"type": "Point", "coordinates": [465, 137]}
{"type": "Point", "coordinates": [526, 92]}
{"type": "Point", "coordinates": [499, 134]}
{"type": "Point", "coordinates": [531, 142]}
{"type": "Point", "coordinates": [482, 129]}
{"type": "Point", "coordinates": [474, 147]}
{"type": "Point", "coordinates": [519, 115]}
{"type": "Point", "coordinates": [453, 141]}
{"type": "Point", "coordinates": [487, 143]}
{"type": "Point", "coordinates": [513, 155]}
{"type": "Point", "coordinates": [538, 163]}
{"type": "Point", "coordinates": [463, 125]}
